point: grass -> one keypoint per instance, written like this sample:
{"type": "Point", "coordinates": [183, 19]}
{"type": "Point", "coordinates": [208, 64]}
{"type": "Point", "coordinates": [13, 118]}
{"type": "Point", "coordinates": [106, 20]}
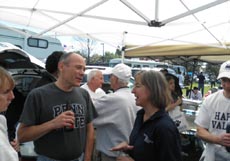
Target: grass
{"type": "Point", "coordinates": [207, 87]}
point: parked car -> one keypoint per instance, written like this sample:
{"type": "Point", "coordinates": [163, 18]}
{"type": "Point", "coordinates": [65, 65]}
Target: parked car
{"type": "Point", "coordinates": [25, 69]}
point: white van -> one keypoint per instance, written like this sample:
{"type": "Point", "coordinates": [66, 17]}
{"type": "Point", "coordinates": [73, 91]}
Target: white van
{"type": "Point", "coordinates": [39, 47]}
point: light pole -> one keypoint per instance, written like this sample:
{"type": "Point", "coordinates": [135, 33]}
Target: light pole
{"type": "Point", "coordinates": [88, 51]}
{"type": "Point", "coordinates": [103, 53]}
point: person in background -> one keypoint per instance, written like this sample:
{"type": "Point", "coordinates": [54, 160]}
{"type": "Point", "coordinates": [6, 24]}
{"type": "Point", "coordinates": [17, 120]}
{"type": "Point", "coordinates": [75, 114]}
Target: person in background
{"type": "Point", "coordinates": [195, 94]}
{"type": "Point", "coordinates": [213, 117]}
{"type": "Point", "coordinates": [176, 99]}
{"type": "Point", "coordinates": [116, 114]}
{"type": "Point", "coordinates": [93, 86]}
{"type": "Point", "coordinates": [94, 83]}
{"type": "Point", "coordinates": [201, 79]}
{"type": "Point", "coordinates": [51, 73]}
{"type": "Point", "coordinates": [154, 136]}
{"type": "Point", "coordinates": [211, 91]}
{"type": "Point", "coordinates": [213, 80]}
{"type": "Point", "coordinates": [176, 80]}
{"type": "Point", "coordinates": [58, 116]}
{"type": "Point", "coordinates": [164, 71]}
{"type": "Point", "coordinates": [7, 150]}
{"type": "Point", "coordinates": [187, 79]}
{"type": "Point", "coordinates": [174, 108]}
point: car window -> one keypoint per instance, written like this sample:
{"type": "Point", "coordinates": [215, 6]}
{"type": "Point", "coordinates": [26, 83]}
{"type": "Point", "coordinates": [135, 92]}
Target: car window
{"type": "Point", "coordinates": [107, 77]}
{"type": "Point", "coordinates": [24, 83]}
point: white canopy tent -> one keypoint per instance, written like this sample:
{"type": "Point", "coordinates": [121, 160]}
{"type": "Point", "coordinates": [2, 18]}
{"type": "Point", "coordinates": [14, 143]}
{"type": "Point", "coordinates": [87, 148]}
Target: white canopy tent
{"type": "Point", "coordinates": [178, 54]}
{"type": "Point", "coordinates": [120, 23]}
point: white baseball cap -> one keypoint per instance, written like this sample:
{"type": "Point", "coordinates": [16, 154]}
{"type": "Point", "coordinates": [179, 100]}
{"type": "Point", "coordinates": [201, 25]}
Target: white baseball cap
{"type": "Point", "coordinates": [122, 71]}
{"type": "Point", "coordinates": [224, 71]}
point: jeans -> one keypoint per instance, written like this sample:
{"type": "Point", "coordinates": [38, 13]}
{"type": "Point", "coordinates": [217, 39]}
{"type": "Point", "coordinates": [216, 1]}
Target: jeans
{"type": "Point", "coordinates": [44, 158]}
{"type": "Point", "coordinates": [201, 88]}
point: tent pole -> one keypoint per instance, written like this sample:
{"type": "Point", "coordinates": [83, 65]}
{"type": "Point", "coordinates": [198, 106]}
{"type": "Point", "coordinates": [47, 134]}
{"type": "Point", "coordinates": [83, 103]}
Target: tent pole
{"type": "Point", "coordinates": [73, 17]}
{"type": "Point", "coordinates": [123, 47]}
{"type": "Point", "coordinates": [156, 10]}
{"type": "Point", "coordinates": [188, 13]}
{"type": "Point", "coordinates": [135, 10]}
{"type": "Point", "coordinates": [15, 30]}
{"type": "Point", "coordinates": [88, 48]}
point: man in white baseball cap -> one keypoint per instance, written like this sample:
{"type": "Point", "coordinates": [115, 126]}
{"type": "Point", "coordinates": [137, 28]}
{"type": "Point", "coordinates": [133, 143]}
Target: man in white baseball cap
{"type": "Point", "coordinates": [122, 71]}
{"type": "Point", "coordinates": [213, 117]}
{"type": "Point", "coordinates": [116, 114]}
{"type": "Point", "coordinates": [224, 70]}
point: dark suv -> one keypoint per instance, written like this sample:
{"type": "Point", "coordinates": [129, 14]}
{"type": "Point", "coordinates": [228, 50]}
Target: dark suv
{"type": "Point", "coordinates": [25, 69]}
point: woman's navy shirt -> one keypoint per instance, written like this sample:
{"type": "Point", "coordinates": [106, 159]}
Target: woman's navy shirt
{"type": "Point", "coordinates": [156, 139]}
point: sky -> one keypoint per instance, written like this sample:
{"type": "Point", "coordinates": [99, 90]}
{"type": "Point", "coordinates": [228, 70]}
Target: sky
{"type": "Point", "coordinates": [69, 42]}
{"type": "Point", "coordinates": [72, 44]}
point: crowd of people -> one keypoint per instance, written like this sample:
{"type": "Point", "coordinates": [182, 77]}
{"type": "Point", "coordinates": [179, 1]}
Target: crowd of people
{"type": "Point", "coordinates": [64, 119]}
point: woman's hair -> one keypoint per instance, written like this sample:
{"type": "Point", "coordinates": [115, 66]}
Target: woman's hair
{"type": "Point", "coordinates": [5, 79]}
{"type": "Point", "coordinates": [157, 85]}
{"type": "Point", "coordinates": [169, 77]}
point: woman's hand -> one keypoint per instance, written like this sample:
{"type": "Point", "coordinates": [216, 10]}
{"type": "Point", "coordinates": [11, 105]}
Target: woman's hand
{"type": "Point", "coordinates": [15, 144]}
{"type": "Point", "coordinates": [122, 147]}
{"type": "Point", "coordinates": [179, 101]}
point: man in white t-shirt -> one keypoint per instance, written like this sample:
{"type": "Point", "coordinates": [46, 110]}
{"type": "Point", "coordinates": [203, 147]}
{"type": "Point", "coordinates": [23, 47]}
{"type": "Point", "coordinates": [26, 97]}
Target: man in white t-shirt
{"type": "Point", "coordinates": [213, 117]}
{"type": "Point", "coordinates": [94, 83]}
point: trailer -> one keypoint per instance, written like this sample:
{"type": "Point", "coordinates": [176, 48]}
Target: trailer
{"type": "Point", "coordinates": [38, 46]}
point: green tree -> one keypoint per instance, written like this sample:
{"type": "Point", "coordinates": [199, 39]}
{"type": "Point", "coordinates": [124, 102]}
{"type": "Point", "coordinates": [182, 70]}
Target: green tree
{"type": "Point", "coordinates": [110, 55]}
{"type": "Point", "coordinates": [118, 52]}
{"type": "Point", "coordinates": [96, 59]}
{"type": "Point", "coordinates": [210, 68]}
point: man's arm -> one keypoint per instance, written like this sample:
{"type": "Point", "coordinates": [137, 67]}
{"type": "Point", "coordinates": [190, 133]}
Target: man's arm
{"type": "Point", "coordinates": [204, 134]}
{"type": "Point", "coordinates": [29, 133]}
{"type": "Point", "coordinates": [89, 142]}
{"type": "Point", "coordinates": [199, 96]}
